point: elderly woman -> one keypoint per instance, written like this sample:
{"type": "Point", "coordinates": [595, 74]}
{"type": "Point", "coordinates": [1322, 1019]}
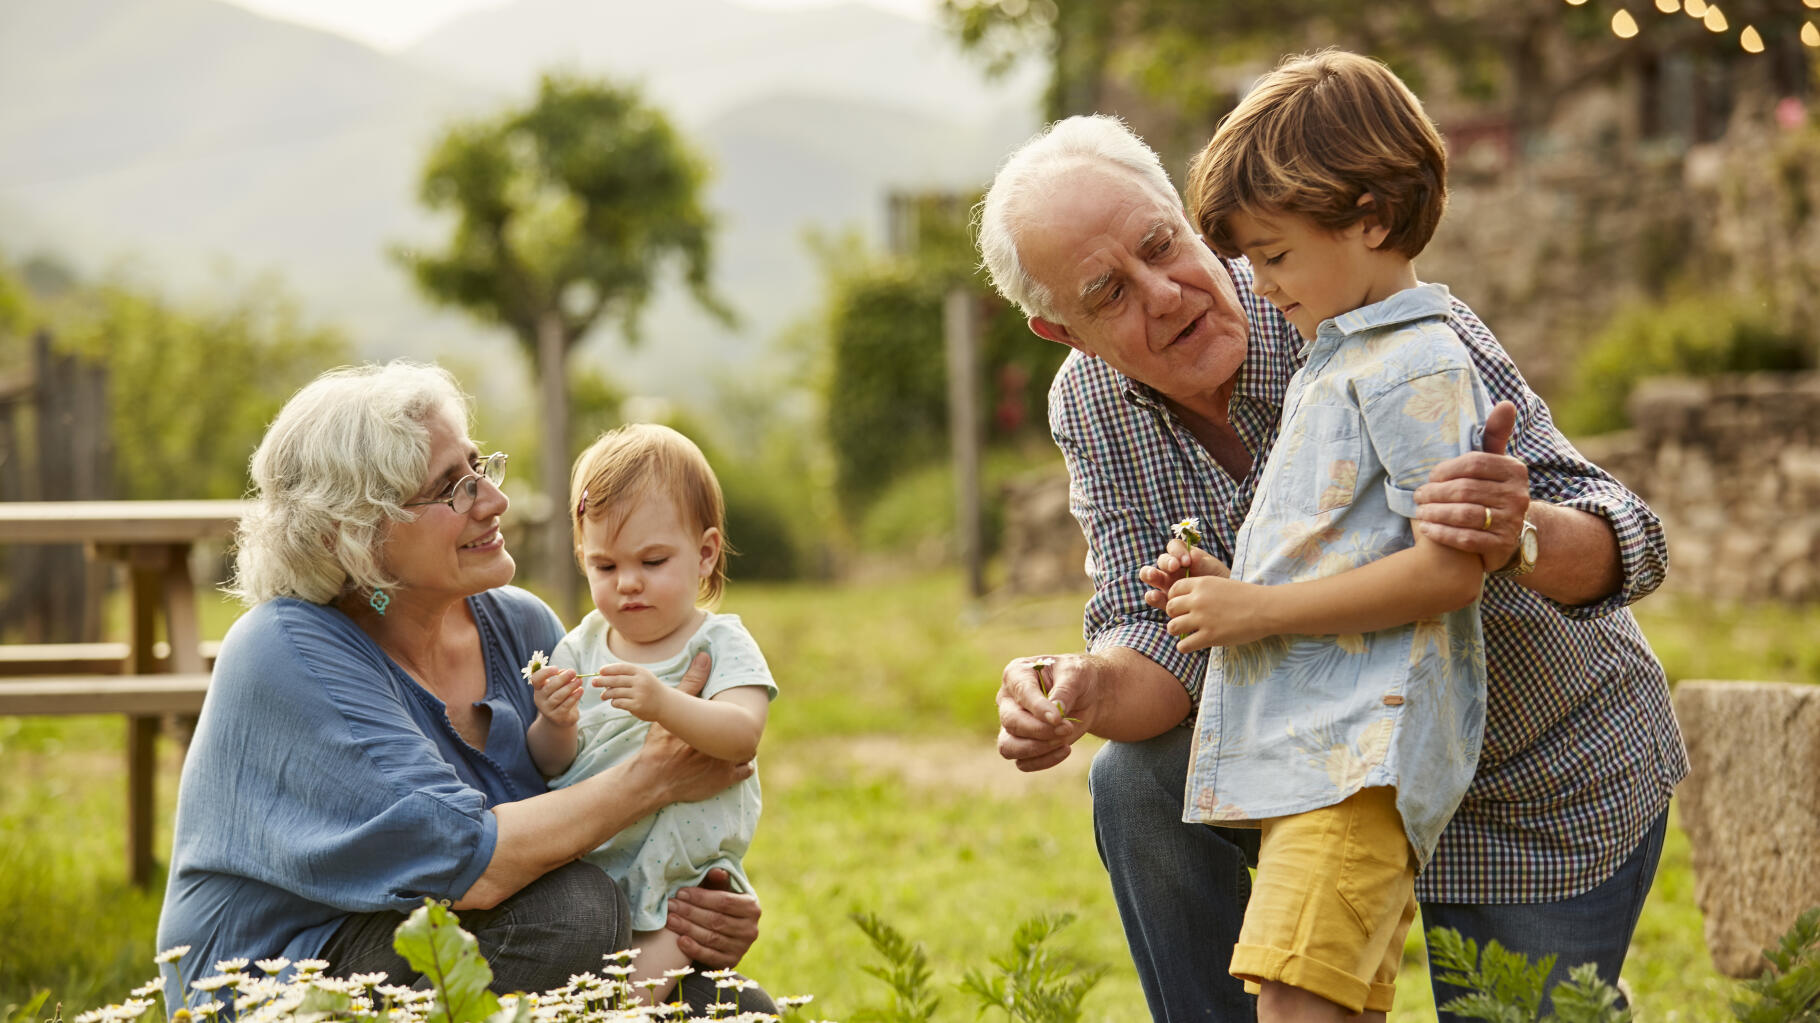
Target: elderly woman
{"type": "Point", "coordinates": [363, 743]}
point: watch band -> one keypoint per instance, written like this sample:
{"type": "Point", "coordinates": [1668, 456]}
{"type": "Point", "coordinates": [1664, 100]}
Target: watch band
{"type": "Point", "coordinates": [1523, 560]}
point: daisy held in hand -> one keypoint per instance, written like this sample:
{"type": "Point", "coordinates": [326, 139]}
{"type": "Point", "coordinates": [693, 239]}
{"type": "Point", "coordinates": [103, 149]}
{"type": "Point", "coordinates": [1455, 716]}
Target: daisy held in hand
{"type": "Point", "coordinates": [1189, 532]}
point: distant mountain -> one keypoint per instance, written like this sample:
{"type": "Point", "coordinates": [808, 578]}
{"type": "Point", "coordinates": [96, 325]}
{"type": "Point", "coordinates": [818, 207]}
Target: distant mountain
{"type": "Point", "coordinates": [700, 58]}
{"type": "Point", "coordinates": [191, 134]}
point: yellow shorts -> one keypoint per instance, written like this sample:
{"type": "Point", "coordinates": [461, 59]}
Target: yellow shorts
{"type": "Point", "coordinates": [1333, 900]}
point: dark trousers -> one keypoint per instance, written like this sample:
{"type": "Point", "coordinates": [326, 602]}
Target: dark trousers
{"type": "Point", "coordinates": [555, 927]}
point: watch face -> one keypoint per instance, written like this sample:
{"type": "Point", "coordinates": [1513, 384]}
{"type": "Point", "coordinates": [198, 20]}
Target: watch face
{"type": "Point", "coordinates": [1527, 543]}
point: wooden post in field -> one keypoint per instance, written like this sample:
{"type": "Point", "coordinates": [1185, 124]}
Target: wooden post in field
{"type": "Point", "coordinates": [553, 390]}
{"type": "Point", "coordinates": [960, 328]}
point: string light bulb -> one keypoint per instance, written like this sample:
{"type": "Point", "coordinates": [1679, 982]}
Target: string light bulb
{"type": "Point", "coordinates": [1715, 18]}
{"type": "Point", "coordinates": [1810, 35]}
{"type": "Point", "coordinates": [1623, 25]}
{"type": "Point", "coordinates": [1696, 8]}
{"type": "Point", "coordinates": [1750, 40]}
{"type": "Point", "coordinates": [1668, 6]}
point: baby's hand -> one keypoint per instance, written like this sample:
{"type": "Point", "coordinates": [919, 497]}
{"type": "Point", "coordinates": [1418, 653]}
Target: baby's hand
{"type": "Point", "coordinates": [557, 693]}
{"type": "Point", "coordinates": [632, 688]}
{"type": "Point", "coordinates": [1209, 610]}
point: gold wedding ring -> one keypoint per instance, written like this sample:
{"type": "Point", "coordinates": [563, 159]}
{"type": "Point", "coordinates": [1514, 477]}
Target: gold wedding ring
{"type": "Point", "coordinates": [1487, 525]}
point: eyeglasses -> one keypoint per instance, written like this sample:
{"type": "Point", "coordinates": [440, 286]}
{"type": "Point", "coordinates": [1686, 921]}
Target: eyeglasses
{"type": "Point", "coordinates": [461, 493]}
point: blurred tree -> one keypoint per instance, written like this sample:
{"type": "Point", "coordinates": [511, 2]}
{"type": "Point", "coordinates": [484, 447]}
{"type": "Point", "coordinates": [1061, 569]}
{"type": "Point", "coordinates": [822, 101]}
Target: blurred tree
{"type": "Point", "coordinates": [191, 391]}
{"type": "Point", "coordinates": [1168, 61]}
{"type": "Point", "coordinates": [565, 213]}
{"type": "Point", "coordinates": [884, 390]}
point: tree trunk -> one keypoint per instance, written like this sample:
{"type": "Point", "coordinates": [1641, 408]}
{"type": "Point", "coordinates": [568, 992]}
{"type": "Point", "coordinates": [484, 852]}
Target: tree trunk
{"type": "Point", "coordinates": [556, 546]}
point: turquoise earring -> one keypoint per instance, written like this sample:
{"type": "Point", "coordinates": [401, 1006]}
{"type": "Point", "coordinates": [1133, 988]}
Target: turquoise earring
{"type": "Point", "coordinates": [379, 600]}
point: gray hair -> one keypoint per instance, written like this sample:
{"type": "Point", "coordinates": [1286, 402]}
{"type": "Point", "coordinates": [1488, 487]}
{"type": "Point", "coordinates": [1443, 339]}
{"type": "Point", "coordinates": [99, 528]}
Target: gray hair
{"type": "Point", "coordinates": [332, 471]}
{"type": "Point", "coordinates": [1029, 175]}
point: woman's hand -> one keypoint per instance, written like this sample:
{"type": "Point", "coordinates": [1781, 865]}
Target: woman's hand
{"type": "Point", "coordinates": [713, 925]}
{"type": "Point", "coordinates": [557, 693]}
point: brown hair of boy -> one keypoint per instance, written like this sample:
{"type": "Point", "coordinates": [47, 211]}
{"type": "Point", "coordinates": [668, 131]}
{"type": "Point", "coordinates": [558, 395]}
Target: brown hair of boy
{"type": "Point", "coordinates": [1313, 138]}
{"type": "Point", "coordinates": [647, 460]}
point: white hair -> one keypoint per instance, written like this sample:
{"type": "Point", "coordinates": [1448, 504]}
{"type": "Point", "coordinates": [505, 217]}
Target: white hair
{"type": "Point", "coordinates": [333, 469]}
{"type": "Point", "coordinates": [1029, 175]}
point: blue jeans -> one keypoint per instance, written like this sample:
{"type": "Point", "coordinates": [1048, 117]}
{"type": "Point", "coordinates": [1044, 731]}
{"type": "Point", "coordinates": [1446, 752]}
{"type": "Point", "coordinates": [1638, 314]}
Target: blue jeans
{"type": "Point", "coordinates": [556, 926]}
{"type": "Point", "coordinates": [1181, 891]}
{"type": "Point", "coordinates": [1592, 927]}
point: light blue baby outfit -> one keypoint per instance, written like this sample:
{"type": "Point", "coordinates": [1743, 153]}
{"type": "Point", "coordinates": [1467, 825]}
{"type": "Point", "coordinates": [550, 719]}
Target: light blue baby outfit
{"type": "Point", "coordinates": [676, 846]}
{"type": "Point", "coordinates": [1290, 724]}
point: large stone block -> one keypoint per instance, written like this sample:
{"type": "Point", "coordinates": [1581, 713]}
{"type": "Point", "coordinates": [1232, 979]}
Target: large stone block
{"type": "Point", "coordinates": [1751, 810]}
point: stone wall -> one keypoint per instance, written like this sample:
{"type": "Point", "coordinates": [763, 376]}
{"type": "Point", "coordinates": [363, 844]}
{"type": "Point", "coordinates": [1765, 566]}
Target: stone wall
{"type": "Point", "coordinates": [1732, 466]}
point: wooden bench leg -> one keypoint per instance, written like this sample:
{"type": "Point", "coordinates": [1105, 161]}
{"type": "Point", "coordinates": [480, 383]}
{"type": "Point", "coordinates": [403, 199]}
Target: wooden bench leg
{"type": "Point", "coordinates": [141, 771]}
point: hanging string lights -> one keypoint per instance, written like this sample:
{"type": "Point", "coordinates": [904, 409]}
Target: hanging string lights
{"type": "Point", "coordinates": [1624, 25]}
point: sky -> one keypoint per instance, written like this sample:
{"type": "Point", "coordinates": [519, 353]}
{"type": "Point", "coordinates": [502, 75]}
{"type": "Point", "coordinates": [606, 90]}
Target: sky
{"type": "Point", "coordinates": [395, 24]}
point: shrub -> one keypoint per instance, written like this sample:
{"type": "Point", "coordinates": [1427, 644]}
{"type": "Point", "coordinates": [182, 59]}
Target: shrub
{"type": "Point", "coordinates": [1693, 334]}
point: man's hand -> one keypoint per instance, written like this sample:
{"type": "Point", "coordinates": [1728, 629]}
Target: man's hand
{"type": "Point", "coordinates": [713, 924]}
{"type": "Point", "coordinates": [1045, 704]}
{"type": "Point", "coordinates": [634, 689]}
{"type": "Point", "coordinates": [1168, 571]}
{"type": "Point", "coordinates": [1210, 610]}
{"type": "Point", "coordinates": [1452, 506]}
{"type": "Point", "coordinates": [557, 695]}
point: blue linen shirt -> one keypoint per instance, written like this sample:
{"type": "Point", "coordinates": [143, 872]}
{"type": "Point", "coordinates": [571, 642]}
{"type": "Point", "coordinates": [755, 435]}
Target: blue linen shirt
{"type": "Point", "coordinates": [1290, 724]}
{"type": "Point", "coordinates": [324, 781]}
{"type": "Point", "coordinates": [1581, 748]}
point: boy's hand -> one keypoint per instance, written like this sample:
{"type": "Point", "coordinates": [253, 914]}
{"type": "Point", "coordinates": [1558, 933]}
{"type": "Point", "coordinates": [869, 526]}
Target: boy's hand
{"type": "Point", "coordinates": [632, 688]}
{"type": "Point", "coordinates": [1168, 571]}
{"type": "Point", "coordinates": [557, 694]}
{"type": "Point", "coordinates": [1207, 611]}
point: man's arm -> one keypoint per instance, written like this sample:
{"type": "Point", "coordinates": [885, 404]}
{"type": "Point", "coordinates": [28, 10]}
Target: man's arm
{"type": "Point", "coordinates": [1601, 547]}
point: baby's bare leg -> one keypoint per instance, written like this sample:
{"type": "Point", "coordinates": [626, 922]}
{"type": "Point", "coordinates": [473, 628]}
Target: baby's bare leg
{"type": "Point", "coordinates": [658, 952]}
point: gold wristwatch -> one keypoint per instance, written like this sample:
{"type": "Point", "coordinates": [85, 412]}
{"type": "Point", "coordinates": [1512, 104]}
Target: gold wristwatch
{"type": "Point", "coordinates": [1523, 561]}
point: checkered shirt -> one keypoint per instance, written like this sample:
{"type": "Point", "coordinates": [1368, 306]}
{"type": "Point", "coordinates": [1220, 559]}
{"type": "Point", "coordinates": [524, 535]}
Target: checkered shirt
{"type": "Point", "coordinates": [1581, 746]}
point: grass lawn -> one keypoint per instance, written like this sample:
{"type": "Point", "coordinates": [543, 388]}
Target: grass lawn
{"type": "Point", "coordinates": [882, 794]}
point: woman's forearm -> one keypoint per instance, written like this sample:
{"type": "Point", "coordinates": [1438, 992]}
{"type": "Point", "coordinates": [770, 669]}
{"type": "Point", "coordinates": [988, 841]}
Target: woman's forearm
{"type": "Point", "coordinates": [539, 834]}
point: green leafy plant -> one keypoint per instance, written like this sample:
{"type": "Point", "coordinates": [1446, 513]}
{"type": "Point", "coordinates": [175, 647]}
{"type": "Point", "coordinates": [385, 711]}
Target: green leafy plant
{"type": "Point", "coordinates": [28, 1012]}
{"type": "Point", "coordinates": [1505, 987]}
{"type": "Point", "coordinates": [1034, 984]}
{"type": "Point", "coordinates": [906, 972]}
{"type": "Point", "coordinates": [1789, 991]}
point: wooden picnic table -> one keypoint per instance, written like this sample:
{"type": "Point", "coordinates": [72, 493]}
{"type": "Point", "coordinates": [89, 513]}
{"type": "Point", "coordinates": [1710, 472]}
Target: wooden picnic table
{"type": "Point", "coordinates": [153, 539]}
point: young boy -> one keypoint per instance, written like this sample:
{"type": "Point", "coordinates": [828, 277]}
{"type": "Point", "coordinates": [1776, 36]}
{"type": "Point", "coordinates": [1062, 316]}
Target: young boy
{"type": "Point", "coordinates": [1344, 713]}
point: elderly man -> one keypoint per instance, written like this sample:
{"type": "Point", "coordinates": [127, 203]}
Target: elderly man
{"type": "Point", "coordinates": [1167, 409]}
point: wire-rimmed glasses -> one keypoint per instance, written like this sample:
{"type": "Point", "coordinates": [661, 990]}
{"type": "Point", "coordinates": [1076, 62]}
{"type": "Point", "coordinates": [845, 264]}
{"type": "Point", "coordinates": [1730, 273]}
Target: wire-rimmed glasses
{"type": "Point", "coordinates": [461, 493]}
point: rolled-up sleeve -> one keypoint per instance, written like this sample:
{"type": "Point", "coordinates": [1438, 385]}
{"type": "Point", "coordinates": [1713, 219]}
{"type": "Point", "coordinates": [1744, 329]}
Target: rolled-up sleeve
{"type": "Point", "coordinates": [1560, 475]}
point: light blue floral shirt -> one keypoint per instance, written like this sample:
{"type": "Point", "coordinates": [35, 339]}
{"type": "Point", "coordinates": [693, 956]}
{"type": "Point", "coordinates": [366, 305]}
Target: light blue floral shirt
{"type": "Point", "coordinates": [1295, 723]}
